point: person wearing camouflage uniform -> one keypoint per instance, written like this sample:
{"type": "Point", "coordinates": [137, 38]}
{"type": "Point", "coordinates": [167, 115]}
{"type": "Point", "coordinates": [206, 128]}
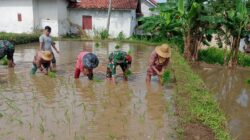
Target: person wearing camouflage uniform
{"type": "Point", "coordinates": [120, 58]}
{"type": "Point", "coordinates": [7, 49]}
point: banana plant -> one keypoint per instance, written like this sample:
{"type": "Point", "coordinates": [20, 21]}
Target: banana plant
{"type": "Point", "coordinates": [230, 19]}
{"type": "Point", "coordinates": [188, 16]}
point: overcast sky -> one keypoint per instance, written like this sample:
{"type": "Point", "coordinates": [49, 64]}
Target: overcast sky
{"type": "Point", "coordinates": [161, 0]}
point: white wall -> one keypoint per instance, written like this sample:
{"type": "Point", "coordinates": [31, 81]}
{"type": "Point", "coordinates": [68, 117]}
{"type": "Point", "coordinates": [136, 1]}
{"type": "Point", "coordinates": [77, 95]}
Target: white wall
{"type": "Point", "coordinates": [145, 8]}
{"type": "Point", "coordinates": [8, 13]}
{"type": "Point", "coordinates": [121, 21]}
{"type": "Point", "coordinates": [63, 23]}
{"type": "Point", "coordinates": [46, 14]}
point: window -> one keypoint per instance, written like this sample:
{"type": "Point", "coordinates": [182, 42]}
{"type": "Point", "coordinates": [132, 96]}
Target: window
{"type": "Point", "coordinates": [86, 22]}
{"type": "Point", "coordinates": [19, 17]}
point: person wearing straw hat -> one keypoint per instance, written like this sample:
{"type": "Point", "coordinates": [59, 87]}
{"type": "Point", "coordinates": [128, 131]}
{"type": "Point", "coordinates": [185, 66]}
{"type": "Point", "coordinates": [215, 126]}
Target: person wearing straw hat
{"type": "Point", "coordinates": [158, 62]}
{"type": "Point", "coordinates": [7, 49]}
{"type": "Point", "coordinates": [85, 63]}
{"type": "Point", "coordinates": [42, 61]}
{"type": "Point", "coordinates": [121, 58]}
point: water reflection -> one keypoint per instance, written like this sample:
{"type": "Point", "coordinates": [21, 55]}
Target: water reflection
{"type": "Point", "coordinates": [232, 92]}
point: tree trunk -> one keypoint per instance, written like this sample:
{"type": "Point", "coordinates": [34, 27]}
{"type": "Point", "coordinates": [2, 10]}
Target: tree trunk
{"type": "Point", "coordinates": [187, 40]}
{"type": "Point", "coordinates": [109, 14]}
{"type": "Point", "coordinates": [234, 52]}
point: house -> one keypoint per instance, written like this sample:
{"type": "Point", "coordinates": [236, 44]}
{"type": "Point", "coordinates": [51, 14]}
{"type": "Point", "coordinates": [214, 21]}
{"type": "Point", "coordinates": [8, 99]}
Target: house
{"type": "Point", "coordinates": [146, 5]}
{"type": "Point", "coordinates": [26, 16]}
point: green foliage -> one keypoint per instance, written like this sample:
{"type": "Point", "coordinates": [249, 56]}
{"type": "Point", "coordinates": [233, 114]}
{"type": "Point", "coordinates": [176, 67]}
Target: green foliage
{"type": "Point", "coordinates": [217, 56]}
{"type": "Point", "coordinates": [19, 38]}
{"type": "Point", "coordinates": [104, 34]}
{"type": "Point", "coordinates": [194, 102]}
{"type": "Point", "coordinates": [166, 77]}
{"type": "Point", "coordinates": [121, 36]}
{"type": "Point", "coordinates": [97, 45]}
{"type": "Point", "coordinates": [4, 61]}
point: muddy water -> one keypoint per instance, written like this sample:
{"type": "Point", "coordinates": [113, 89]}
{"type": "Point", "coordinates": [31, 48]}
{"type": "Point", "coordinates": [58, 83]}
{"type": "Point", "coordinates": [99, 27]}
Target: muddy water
{"type": "Point", "coordinates": [62, 108]}
{"type": "Point", "coordinates": [232, 92]}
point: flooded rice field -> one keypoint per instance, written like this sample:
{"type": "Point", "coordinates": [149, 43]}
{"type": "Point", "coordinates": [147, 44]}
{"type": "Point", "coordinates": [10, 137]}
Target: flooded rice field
{"type": "Point", "coordinates": [232, 91]}
{"type": "Point", "coordinates": [62, 108]}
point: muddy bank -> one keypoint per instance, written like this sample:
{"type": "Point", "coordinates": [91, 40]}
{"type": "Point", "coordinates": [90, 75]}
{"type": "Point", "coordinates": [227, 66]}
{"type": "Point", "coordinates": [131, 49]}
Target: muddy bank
{"type": "Point", "coordinates": [199, 113]}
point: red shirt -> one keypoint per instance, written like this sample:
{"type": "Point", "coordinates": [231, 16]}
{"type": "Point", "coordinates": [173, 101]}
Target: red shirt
{"type": "Point", "coordinates": [79, 63]}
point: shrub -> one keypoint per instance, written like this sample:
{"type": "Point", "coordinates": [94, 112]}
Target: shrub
{"type": "Point", "coordinates": [19, 38]}
{"type": "Point", "coordinates": [212, 56]}
{"type": "Point", "coordinates": [104, 34]}
{"type": "Point", "coordinates": [121, 36]}
{"type": "Point", "coordinates": [216, 56]}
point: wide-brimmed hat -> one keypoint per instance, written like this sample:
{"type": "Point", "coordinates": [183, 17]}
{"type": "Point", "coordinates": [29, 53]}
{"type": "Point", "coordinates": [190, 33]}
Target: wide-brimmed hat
{"type": "Point", "coordinates": [163, 51]}
{"type": "Point", "coordinates": [47, 55]}
{"type": "Point", "coordinates": [90, 61]}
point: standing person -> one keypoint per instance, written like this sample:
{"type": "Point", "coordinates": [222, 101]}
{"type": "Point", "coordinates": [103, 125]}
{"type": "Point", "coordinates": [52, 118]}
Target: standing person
{"type": "Point", "coordinates": [46, 44]}
{"type": "Point", "coordinates": [120, 58]}
{"type": "Point", "coordinates": [7, 48]}
{"type": "Point", "coordinates": [158, 62]}
{"type": "Point", "coordinates": [85, 63]}
{"type": "Point", "coordinates": [42, 61]}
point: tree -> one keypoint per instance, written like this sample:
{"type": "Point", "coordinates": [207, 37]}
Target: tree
{"type": "Point", "coordinates": [230, 20]}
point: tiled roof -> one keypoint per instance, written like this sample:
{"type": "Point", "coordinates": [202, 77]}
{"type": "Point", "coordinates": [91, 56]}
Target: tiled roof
{"type": "Point", "coordinates": [103, 4]}
{"type": "Point", "coordinates": [153, 1]}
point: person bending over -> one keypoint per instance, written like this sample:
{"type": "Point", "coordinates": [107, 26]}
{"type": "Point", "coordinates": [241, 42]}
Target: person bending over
{"type": "Point", "coordinates": [42, 62]}
{"type": "Point", "coordinates": [85, 64]}
{"type": "Point", "coordinates": [7, 48]}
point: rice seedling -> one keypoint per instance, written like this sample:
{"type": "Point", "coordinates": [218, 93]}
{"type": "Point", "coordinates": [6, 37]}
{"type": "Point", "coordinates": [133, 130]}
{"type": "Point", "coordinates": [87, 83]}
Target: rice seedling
{"type": "Point", "coordinates": [79, 137]}
{"type": "Point", "coordinates": [67, 117]}
{"type": "Point", "coordinates": [97, 80]}
{"type": "Point", "coordinates": [3, 134]}
{"type": "Point", "coordinates": [30, 125]}
{"type": "Point", "coordinates": [20, 122]}
{"type": "Point", "coordinates": [52, 135]}
{"type": "Point", "coordinates": [82, 124]}
{"type": "Point", "coordinates": [142, 117]}
{"type": "Point", "coordinates": [1, 115]}
{"type": "Point", "coordinates": [166, 77]}
{"type": "Point", "coordinates": [248, 81]}
{"type": "Point", "coordinates": [52, 74]}
{"type": "Point", "coordinates": [112, 136]}
{"type": "Point", "coordinates": [41, 128]}
{"type": "Point", "coordinates": [4, 61]}
{"type": "Point", "coordinates": [21, 138]}
{"type": "Point", "coordinates": [128, 73]}
{"type": "Point", "coordinates": [94, 110]}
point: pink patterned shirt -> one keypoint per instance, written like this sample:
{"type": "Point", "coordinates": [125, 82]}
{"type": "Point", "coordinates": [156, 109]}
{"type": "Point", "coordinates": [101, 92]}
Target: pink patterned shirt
{"type": "Point", "coordinates": [154, 62]}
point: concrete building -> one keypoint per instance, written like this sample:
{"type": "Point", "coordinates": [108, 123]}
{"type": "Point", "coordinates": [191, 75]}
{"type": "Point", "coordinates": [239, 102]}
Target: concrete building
{"type": "Point", "coordinates": [25, 16]}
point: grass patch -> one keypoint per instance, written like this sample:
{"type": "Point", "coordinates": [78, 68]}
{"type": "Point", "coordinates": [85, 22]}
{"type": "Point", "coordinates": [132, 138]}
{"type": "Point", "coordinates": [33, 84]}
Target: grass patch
{"type": "Point", "coordinates": [19, 38]}
{"type": "Point", "coordinates": [194, 102]}
{"type": "Point", "coordinates": [216, 56]}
